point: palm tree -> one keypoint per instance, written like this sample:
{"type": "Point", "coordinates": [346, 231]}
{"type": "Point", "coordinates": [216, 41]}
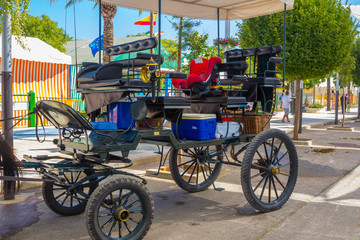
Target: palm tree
{"type": "Point", "coordinates": [108, 12]}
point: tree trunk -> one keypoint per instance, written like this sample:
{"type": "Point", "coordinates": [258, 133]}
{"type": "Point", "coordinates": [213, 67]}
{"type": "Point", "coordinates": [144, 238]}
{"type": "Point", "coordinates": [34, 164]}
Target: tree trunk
{"type": "Point", "coordinates": [344, 107]}
{"type": "Point", "coordinates": [108, 12]}
{"type": "Point", "coordinates": [314, 93]}
{"type": "Point", "coordinates": [328, 96]}
{"type": "Point", "coordinates": [297, 110]}
{"type": "Point", "coordinates": [152, 28]}
{"type": "Point", "coordinates": [179, 45]}
{"type": "Point", "coordinates": [349, 92]}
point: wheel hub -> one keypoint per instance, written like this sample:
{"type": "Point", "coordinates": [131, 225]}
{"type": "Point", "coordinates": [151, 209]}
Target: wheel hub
{"type": "Point", "coordinates": [122, 214]}
{"type": "Point", "coordinates": [275, 170]}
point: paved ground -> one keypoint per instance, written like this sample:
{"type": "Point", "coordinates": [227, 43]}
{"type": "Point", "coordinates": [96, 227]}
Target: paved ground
{"type": "Point", "coordinates": [325, 203]}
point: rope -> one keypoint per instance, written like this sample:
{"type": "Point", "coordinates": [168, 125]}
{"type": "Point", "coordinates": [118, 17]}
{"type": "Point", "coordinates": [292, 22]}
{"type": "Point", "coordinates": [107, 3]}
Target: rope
{"type": "Point", "coordinates": [22, 118]}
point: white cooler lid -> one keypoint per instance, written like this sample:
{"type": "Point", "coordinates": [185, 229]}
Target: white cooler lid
{"type": "Point", "coordinates": [198, 116]}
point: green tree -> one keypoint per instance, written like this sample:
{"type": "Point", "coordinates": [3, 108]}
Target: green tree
{"type": "Point", "coordinates": [185, 27]}
{"type": "Point", "coordinates": [356, 56]}
{"type": "Point", "coordinates": [319, 38]}
{"type": "Point", "coordinates": [18, 12]}
{"type": "Point", "coordinates": [46, 30]}
{"type": "Point", "coordinates": [142, 34]}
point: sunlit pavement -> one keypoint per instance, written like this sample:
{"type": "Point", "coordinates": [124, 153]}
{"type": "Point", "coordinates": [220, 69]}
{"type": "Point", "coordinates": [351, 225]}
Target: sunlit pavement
{"type": "Point", "coordinates": [324, 205]}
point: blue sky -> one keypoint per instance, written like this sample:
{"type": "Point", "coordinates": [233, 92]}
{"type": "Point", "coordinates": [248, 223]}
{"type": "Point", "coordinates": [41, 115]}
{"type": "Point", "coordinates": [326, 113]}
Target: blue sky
{"type": "Point", "coordinates": [87, 20]}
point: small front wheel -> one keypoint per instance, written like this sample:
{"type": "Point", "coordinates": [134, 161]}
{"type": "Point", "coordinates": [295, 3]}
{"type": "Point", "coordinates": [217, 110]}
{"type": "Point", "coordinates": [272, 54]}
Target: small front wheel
{"type": "Point", "coordinates": [63, 201]}
{"type": "Point", "coordinates": [120, 208]}
{"type": "Point", "coordinates": [195, 169]}
{"type": "Point", "coordinates": [269, 170]}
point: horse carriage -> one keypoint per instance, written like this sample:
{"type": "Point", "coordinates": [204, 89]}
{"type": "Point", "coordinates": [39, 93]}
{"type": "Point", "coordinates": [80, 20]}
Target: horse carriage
{"type": "Point", "coordinates": [214, 99]}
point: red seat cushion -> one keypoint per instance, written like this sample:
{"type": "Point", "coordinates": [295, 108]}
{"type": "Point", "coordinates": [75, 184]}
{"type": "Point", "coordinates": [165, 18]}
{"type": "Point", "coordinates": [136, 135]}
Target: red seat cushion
{"type": "Point", "coordinates": [200, 70]}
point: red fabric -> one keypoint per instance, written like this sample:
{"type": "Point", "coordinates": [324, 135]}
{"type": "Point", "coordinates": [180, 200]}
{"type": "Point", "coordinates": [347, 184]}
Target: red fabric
{"type": "Point", "coordinates": [199, 72]}
{"type": "Point", "coordinates": [199, 68]}
{"type": "Point", "coordinates": [176, 83]}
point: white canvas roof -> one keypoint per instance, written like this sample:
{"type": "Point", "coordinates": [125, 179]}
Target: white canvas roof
{"type": "Point", "coordinates": [36, 50]}
{"type": "Point", "coordinates": [355, 11]}
{"type": "Point", "coordinates": [207, 9]}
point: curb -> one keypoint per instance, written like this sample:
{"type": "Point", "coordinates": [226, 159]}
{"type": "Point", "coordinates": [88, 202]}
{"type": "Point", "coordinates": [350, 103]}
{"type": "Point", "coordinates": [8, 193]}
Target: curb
{"type": "Point", "coordinates": [317, 125]}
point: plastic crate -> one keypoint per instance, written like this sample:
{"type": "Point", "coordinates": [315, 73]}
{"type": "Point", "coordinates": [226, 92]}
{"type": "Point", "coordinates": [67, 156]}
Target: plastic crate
{"type": "Point", "coordinates": [196, 126]}
{"type": "Point", "coordinates": [119, 113]}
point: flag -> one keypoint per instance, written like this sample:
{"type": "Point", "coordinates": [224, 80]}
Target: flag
{"type": "Point", "coordinates": [146, 21]}
{"type": "Point", "coordinates": [94, 45]}
{"type": "Point", "coordinates": [157, 34]}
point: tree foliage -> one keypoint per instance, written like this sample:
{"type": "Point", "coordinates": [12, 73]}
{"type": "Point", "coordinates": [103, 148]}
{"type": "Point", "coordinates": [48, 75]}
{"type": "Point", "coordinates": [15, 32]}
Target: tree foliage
{"type": "Point", "coordinates": [46, 30]}
{"type": "Point", "coordinates": [18, 11]}
{"type": "Point", "coordinates": [319, 36]}
{"type": "Point", "coordinates": [356, 56]}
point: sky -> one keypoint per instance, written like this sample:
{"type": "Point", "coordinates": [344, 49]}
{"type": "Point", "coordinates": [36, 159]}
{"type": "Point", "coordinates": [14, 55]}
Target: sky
{"type": "Point", "coordinates": [87, 20]}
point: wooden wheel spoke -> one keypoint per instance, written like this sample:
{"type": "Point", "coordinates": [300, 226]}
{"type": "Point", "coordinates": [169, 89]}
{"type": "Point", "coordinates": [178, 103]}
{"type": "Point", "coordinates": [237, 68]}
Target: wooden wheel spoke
{"type": "Point", "coordinates": [134, 221]}
{"type": "Point", "coordinates": [203, 172]}
{"type": "Point", "coordinates": [284, 174]}
{"type": "Point", "coordinates": [62, 203]}
{"type": "Point", "coordinates": [263, 189]}
{"type": "Point", "coordinates": [107, 223]}
{"type": "Point", "coordinates": [127, 198]}
{"type": "Point", "coordinates": [106, 206]}
{"type": "Point", "coordinates": [269, 198]}
{"type": "Point", "coordinates": [192, 173]}
{"type": "Point", "coordinates": [105, 215]}
{"type": "Point", "coordinates": [262, 158]}
{"type": "Point", "coordinates": [258, 174]}
{"type": "Point", "coordinates": [132, 204]}
{"type": "Point", "coordinates": [182, 174]}
{"type": "Point", "coordinates": [259, 183]}
{"type": "Point", "coordinates": [112, 228]}
{"type": "Point", "coordinates": [60, 195]}
{"type": "Point", "coordinates": [127, 227]}
{"type": "Point", "coordinates": [67, 180]}
{"type": "Point", "coordinates": [120, 230]}
{"type": "Point", "coordinates": [266, 151]}
{"type": "Point", "coordinates": [113, 199]}
{"type": "Point", "coordinates": [273, 182]}
{"type": "Point", "coordinates": [257, 166]}
{"type": "Point", "coordinates": [192, 160]}
{"type": "Point", "coordinates": [284, 165]}
{"type": "Point", "coordinates": [277, 152]}
{"type": "Point", "coordinates": [272, 148]}
{"type": "Point", "coordinates": [279, 181]}
{"type": "Point", "coordinates": [120, 196]}
{"type": "Point", "coordinates": [197, 174]}
{"type": "Point", "coordinates": [281, 158]}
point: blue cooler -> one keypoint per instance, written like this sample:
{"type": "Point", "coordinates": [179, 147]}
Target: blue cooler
{"type": "Point", "coordinates": [119, 113]}
{"type": "Point", "coordinates": [104, 125]}
{"type": "Point", "coordinates": [196, 126]}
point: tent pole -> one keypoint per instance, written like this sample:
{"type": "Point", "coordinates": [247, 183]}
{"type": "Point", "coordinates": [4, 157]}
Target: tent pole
{"type": "Point", "coordinates": [218, 29]}
{"type": "Point", "coordinates": [284, 46]}
{"type": "Point", "coordinates": [99, 32]}
{"type": "Point", "coordinates": [159, 26]}
{"type": "Point", "coordinates": [7, 101]}
{"type": "Point", "coordinates": [76, 62]}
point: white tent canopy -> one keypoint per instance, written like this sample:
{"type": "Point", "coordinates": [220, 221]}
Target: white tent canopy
{"type": "Point", "coordinates": [36, 50]}
{"type": "Point", "coordinates": [355, 11]}
{"type": "Point", "coordinates": [207, 9]}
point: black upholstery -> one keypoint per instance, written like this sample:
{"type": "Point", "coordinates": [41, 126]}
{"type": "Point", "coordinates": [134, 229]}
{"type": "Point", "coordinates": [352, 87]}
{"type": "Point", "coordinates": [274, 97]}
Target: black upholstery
{"type": "Point", "coordinates": [177, 75]}
{"type": "Point", "coordinates": [112, 70]}
{"type": "Point", "coordinates": [135, 46]}
{"type": "Point", "coordinates": [166, 102]}
{"type": "Point", "coordinates": [62, 115]}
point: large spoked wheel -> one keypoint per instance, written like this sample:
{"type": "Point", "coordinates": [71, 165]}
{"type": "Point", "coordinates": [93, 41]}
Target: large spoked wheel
{"type": "Point", "coordinates": [269, 170]}
{"type": "Point", "coordinates": [120, 208]}
{"type": "Point", "coordinates": [63, 201]}
{"type": "Point", "coordinates": [195, 169]}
